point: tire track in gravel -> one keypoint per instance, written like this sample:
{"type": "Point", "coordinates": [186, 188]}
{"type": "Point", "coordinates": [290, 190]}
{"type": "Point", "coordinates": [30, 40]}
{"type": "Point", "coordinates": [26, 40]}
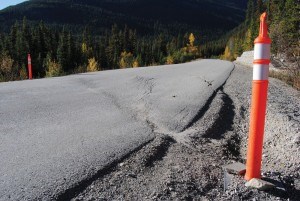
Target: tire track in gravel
{"type": "Point", "coordinates": [83, 184]}
{"type": "Point", "coordinates": [163, 169]}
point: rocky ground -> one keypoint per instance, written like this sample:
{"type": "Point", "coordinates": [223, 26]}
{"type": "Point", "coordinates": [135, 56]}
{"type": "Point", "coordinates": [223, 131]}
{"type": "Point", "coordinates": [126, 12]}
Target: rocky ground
{"type": "Point", "coordinates": [188, 165]}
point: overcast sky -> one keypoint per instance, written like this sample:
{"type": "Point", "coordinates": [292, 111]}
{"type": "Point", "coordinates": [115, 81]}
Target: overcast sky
{"type": "Point", "coordinates": [6, 3]}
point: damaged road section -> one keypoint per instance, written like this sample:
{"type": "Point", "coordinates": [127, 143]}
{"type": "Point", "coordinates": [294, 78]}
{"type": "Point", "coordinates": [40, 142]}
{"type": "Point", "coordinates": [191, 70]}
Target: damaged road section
{"type": "Point", "coordinates": [189, 165]}
{"type": "Point", "coordinates": [58, 135]}
{"type": "Point", "coordinates": [183, 166]}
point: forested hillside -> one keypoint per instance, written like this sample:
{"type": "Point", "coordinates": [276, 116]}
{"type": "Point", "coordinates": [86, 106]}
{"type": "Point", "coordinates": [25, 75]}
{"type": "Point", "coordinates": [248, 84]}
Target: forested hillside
{"type": "Point", "coordinates": [284, 30]}
{"type": "Point", "coordinates": [72, 36]}
{"type": "Point", "coordinates": [146, 16]}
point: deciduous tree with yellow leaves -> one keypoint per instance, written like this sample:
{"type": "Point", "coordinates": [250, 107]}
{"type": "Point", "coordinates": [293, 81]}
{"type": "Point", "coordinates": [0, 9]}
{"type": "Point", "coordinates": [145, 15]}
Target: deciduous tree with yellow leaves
{"type": "Point", "coordinates": [92, 65]}
{"type": "Point", "coordinates": [126, 60]}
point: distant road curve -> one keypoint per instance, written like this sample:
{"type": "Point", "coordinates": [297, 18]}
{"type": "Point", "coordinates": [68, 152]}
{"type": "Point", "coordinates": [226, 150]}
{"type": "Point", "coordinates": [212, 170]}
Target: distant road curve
{"type": "Point", "coordinates": [56, 132]}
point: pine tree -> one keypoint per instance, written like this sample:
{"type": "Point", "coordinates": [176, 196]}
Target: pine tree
{"type": "Point", "coordinates": [13, 39]}
{"type": "Point", "coordinates": [71, 52]}
{"type": "Point", "coordinates": [292, 19]}
{"type": "Point", "coordinates": [62, 51]}
{"type": "Point", "coordinates": [249, 12]}
{"type": "Point", "coordinates": [26, 35]}
{"type": "Point", "coordinates": [2, 46]}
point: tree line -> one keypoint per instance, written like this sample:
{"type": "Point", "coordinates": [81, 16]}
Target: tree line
{"type": "Point", "coordinates": [57, 52]}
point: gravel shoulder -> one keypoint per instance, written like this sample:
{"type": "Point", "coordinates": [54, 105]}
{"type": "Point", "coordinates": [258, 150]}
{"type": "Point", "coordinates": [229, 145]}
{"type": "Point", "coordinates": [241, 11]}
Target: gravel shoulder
{"type": "Point", "coordinates": [187, 164]}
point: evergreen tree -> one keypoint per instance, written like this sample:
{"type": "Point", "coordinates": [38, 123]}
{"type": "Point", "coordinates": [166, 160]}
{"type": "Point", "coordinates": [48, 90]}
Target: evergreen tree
{"type": "Point", "coordinates": [62, 51]}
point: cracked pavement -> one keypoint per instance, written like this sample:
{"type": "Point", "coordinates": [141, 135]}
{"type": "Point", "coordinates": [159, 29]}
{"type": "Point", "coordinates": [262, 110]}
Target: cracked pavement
{"type": "Point", "coordinates": [59, 133]}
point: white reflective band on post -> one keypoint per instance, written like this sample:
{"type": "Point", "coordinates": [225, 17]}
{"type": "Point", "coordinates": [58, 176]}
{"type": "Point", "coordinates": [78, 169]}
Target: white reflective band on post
{"type": "Point", "coordinates": [262, 51]}
{"type": "Point", "coordinates": [260, 72]}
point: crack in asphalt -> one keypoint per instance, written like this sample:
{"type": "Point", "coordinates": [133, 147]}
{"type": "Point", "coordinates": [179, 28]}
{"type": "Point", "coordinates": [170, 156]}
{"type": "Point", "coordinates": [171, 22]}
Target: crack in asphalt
{"type": "Point", "coordinates": [206, 107]}
{"type": "Point", "coordinates": [169, 138]}
{"type": "Point", "coordinates": [160, 156]}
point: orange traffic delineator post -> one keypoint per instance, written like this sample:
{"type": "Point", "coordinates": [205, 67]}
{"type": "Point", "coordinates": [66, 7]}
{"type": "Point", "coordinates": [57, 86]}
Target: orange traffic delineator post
{"type": "Point", "coordinates": [29, 67]}
{"type": "Point", "coordinates": [260, 83]}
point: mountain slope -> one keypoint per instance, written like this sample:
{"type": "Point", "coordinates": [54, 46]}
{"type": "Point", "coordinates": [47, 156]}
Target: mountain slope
{"type": "Point", "coordinates": [143, 15]}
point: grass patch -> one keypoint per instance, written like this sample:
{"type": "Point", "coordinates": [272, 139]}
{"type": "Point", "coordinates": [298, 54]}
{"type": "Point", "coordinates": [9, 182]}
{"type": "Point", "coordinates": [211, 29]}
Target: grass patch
{"type": "Point", "coordinates": [291, 77]}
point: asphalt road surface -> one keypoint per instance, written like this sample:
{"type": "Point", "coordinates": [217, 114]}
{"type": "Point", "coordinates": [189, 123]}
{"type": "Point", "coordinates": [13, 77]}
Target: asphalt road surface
{"type": "Point", "coordinates": [58, 132]}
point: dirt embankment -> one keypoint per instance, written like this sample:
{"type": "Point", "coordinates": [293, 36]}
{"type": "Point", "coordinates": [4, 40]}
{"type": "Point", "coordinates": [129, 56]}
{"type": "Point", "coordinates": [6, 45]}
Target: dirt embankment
{"type": "Point", "coordinates": [188, 165]}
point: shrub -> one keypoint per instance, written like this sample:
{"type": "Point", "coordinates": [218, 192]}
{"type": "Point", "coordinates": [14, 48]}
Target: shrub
{"type": "Point", "coordinates": [80, 69]}
{"type": "Point", "coordinates": [23, 73]}
{"type": "Point", "coordinates": [6, 68]}
{"type": "Point", "coordinates": [54, 69]}
{"type": "Point", "coordinates": [92, 65]}
{"type": "Point", "coordinates": [135, 64]}
{"type": "Point", "coordinates": [170, 60]}
{"type": "Point", "coordinates": [126, 60]}
{"type": "Point", "coordinates": [291, 77]}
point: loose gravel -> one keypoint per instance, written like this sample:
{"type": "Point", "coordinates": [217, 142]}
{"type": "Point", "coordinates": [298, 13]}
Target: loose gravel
{"type": "Point", "coordinates": [188, 165]}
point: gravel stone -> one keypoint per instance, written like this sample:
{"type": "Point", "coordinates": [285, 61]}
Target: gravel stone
{"type": "Point", "coordinates": [259, 184]}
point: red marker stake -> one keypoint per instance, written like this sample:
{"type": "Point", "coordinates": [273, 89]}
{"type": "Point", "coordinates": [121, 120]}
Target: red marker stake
{"type": "Point", "coordinates": [259, 100]}
{"type": "Point", "coordinates": [29, 67]}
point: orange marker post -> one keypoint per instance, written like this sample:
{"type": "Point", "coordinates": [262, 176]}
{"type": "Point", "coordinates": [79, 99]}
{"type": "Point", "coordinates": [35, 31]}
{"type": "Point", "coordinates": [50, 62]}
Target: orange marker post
{"type": "Point", "coordinates": [29, 67]}
{"type": "Point", "coordinates": [260, 83]}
